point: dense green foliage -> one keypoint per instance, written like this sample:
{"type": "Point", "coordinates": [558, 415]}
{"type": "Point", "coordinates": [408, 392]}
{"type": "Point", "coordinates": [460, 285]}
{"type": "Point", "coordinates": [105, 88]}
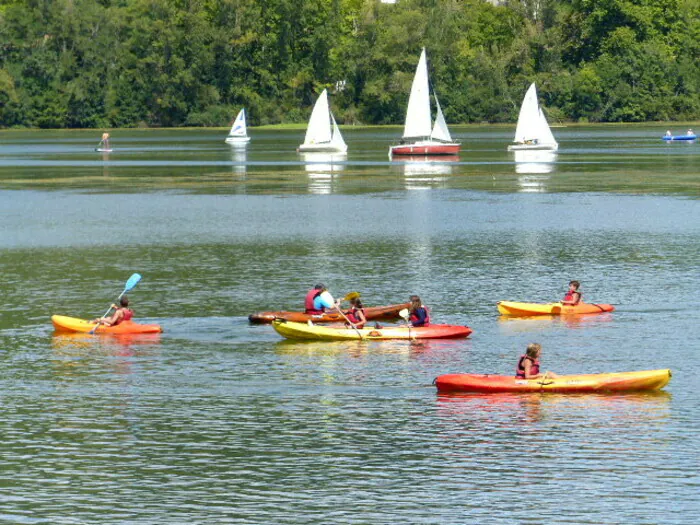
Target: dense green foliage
{"type": "Point", "coordinates": [113, 63]}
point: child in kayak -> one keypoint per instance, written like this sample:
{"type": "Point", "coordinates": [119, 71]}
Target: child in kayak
{"type": "Point", "coordinates": [122, 313]}
{"type": "Point", "coordinates": [418, 313]}
{"type": "Point", "coordinates": [573, 296]}
{"type": "Point", "coordinates": [356, 313]}
{"type": "Point", "coordinates": [529, 363]}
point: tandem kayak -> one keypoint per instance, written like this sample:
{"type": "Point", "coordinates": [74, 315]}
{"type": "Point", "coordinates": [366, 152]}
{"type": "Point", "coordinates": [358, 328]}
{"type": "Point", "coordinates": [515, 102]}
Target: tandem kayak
{"type": "Point", "coordinates": [372, 313]}
{"type": "Point", "coordinates": [571, 384]}
{"type": "Point", "coordinates": [292, 330]}
{"type": "Point", "coordinates": [526, 309]}
{"type": "Point", "coordinates": [72, 324]}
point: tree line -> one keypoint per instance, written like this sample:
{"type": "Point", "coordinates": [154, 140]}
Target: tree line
{"type": "Point", "coordinates": [125, 63]}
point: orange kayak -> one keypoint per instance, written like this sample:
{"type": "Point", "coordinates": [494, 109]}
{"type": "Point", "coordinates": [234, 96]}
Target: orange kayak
{"type": "Point", "coordinates": [525, 309]}
{"type": "Point", "coordinates": [571, 384]}
{"type": "Point", "coordinates": [372, 313]}
{"type": "Point", "coordinates": [63, 323]}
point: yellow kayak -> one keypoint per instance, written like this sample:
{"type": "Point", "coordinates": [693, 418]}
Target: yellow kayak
{"type": "Point", "coordinates": [292, 330]}
{"type": "Point", "coordinates": [63, 323]}
{"type": "Point", "coordinates": [525, 309]}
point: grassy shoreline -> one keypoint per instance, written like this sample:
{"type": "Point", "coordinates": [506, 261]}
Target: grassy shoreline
{"type": "Point", "coordinates": [302, 126]}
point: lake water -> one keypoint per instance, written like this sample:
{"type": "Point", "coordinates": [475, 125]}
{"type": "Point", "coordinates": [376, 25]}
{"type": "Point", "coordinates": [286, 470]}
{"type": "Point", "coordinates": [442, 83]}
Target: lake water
{"type": "Point", "coordinates": [219, 421]}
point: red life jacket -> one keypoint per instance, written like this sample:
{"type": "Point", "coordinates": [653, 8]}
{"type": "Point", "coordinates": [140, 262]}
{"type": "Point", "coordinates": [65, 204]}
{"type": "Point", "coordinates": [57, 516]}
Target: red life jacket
{"type": "Point", "coordinates": [128, 315]}
{"type": "Point", "coordinates": [352, 315]}
{"type": "Point", "coordinates": [309, 302]}
{"type": "Point", "coordinates": [570, 296]}
{"type": "Point", "coordinates": [520, 369]}
{"type": "Point", "coordinates": [413, 317]}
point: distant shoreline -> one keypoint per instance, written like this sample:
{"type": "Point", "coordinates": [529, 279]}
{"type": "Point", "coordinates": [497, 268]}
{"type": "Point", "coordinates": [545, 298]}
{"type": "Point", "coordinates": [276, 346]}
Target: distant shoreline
{"type": "Point", "coordinates": [302, 126]}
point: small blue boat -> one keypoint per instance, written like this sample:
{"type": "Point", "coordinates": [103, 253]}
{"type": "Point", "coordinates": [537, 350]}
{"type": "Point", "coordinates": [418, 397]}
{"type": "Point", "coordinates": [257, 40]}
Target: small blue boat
{"type": "Point", "coordinates": [687, 136]}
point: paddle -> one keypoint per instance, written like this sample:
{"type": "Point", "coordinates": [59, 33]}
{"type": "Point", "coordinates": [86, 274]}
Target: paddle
{"type": "Point", "coordinates": [99, 145]}
{"type": "Point", "coordinates": [133, 281]}
{"type": "Point", "coordinates": [348, 321]}
{"type": "Point", "coordinates": [404, 315]}
{"type": "Point", "coordinates": [348, 296]}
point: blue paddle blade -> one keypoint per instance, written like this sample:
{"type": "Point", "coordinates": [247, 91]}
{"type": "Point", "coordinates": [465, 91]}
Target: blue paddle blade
{"type": "Point", "coordinates": [133, 281]}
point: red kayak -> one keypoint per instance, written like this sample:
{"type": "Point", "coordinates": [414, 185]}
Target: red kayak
{"type": "Point", "coordinates": [372, 313]}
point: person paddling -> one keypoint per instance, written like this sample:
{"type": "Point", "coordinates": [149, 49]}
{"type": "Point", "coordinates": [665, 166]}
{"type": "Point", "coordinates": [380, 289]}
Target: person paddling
{"type": "Point", "coordinates": [573, 296]}
{"type": "Point", "coordinates": [122, 313]}
{"type": "Point", "coordinates": [105, 141]}
{"type": "Point", "coordinates": [418, 312]}
{"type": "Point", "coordinates": [318, 300]}
{"type": "Point", "coordinates": [529, 363]}
{"type": "Point", "coordinates": [356, 313]}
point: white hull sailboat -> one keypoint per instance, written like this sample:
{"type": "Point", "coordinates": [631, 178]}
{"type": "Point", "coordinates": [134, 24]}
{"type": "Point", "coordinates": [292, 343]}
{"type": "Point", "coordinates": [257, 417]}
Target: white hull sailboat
{"type": "Point", "coordinates": [322, 133]}
{"type": "Point", "coordinates": [532, 131]}
{"type": "Point", "coordinates": [420, 135]}
{"type": "Point", "coordinates": [238, 133]}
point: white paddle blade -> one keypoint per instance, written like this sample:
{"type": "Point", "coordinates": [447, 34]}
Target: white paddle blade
{"type": "Point", "coordinates": [404, 313]}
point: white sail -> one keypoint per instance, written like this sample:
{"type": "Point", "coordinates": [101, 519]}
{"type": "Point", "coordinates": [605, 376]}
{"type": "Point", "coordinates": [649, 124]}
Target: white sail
{"type": "Point", "coordinates": [337, 139]}
{"type": "Point", "coordinates": [238, 128]}
{"type": "Point", "coordinates": [528, 119]}
{"type": "Point", "coordinates": [440, 131]}
{"type": "Point", "coordinates": [319, 130]}
{"type": "Point", "coordinates": [323, 134]}
{"type": "Point", "coordinates": [532, 130]}
{"type": "Point", "coordinates": [418, 121]}
{"type": "Point", "coordinates": [545, 134]}
{"type": "Point", "coordinates": [238, 133]}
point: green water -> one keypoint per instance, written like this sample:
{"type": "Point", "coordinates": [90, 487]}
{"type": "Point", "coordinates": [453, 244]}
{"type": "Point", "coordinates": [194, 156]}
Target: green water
{"type": "Point", "coordinates": [218, 421]}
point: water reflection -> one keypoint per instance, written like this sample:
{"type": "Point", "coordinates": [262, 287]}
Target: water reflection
{"type": "Point", "coordinates": [79, 354]}
{"type": "Point", "coordinates": [106, 344]}
{"type": "Point", "coordinates": [535, 323]}
{"type": "Point", "coordinates": [322, 169]}
{"type": "Point", "coordinates": [239, 157]}
{"type": "Point", "coordinates": [534, 166]}
{"type": "Point", "coordinates": [505, 408]}
{"type": "Point", "coordinates": [363, 348]}
{"type": "Point", "coordinates": [423, 173]}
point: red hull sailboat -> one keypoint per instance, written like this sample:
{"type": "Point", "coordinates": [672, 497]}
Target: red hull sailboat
{"type": "Point", "coordinates": [420, 135]}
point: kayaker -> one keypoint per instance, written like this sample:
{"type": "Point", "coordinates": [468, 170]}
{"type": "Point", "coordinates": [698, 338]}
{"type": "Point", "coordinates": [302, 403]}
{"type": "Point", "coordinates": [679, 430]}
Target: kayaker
{"type": "Point", "coordinates": [529, 363]}
{"type": "Point", "coordinates": [356, 313]}
{"type": "Point", "coordinates": [121, 313]}
{"type": "Point", "coordinates": [418, 314]}
{"type": "Point", "coordinates": [573, 296]}
{"type": "Point", "coordinates": [319, 300]}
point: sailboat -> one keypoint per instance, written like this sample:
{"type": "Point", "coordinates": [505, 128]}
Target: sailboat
{"type": "Point", "coordinates": [322, 133]}
{"type": "Point", "coordinates": [238, 133]}
{"type": "Point", "coordinates": [420, 136]}
{"type": "Point", "coordinates": [532, 131]}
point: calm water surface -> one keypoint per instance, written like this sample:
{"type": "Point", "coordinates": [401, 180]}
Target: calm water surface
{"type": "Point", "coordinates": [218, 421]}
